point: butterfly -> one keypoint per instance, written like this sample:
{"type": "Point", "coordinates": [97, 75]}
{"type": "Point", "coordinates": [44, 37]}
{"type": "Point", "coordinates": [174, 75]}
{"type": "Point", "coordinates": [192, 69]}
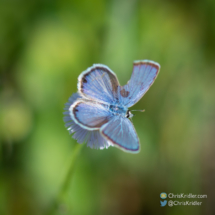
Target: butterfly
{"type": "Point", "coordinates": [98, 113]}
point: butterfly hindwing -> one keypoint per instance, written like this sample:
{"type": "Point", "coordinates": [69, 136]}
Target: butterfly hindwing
{"type": "Point", "coordinates": [143, 76]}
{"type": "Point", "coordinates": [120, 131]}
{"type": "Point", "coordinates": [90, 115]}
{"type": "Point", "coordinates": [98, 83]}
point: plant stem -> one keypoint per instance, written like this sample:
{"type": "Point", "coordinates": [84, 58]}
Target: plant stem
{"type": "Point", "coordinates": [70, 170]}
{"type": "Point", "coordinates": [60, 201]}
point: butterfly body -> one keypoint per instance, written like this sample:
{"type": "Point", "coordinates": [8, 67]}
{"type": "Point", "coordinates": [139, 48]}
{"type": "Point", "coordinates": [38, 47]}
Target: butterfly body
{"type": "Point", "coordinates": [99, 113]}
{"type": "Point", "coordinates": [118, 110]}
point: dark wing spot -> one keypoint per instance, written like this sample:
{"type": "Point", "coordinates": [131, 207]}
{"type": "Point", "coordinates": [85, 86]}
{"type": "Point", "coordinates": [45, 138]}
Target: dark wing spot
{"type": "Point", "coordinates": [124, 93]}
{"type": "Point", "coordinates": [84, 80]}
{"type": "Point", "coordinates": [76, 110]}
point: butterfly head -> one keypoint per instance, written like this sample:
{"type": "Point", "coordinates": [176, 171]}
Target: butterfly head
{"type": "Point", "coordinates": [129, 114]}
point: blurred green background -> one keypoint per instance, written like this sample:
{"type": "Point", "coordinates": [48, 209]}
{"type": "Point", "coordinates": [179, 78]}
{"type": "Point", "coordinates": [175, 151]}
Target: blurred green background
{"type": "Point", "coordinates": [45, 45]}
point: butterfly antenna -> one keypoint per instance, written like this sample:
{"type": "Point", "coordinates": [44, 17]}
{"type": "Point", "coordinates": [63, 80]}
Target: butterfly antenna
{"type": "Point", "coordinates": [139, 110]}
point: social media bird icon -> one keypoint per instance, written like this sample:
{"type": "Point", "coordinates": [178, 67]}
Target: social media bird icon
{"type": "Point", "coordinates": [163, 195]}
{"type": "Point", "coordinates": [163, 203]}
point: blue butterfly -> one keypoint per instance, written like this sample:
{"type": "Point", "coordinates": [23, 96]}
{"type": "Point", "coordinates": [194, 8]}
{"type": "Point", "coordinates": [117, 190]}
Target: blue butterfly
{"type": "Point", "coordinates": [98, 114]}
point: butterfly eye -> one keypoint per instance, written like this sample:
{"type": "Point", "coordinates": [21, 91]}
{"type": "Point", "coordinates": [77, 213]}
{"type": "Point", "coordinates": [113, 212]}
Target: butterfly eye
{"type": "Point", "coordinates": [128, 114]}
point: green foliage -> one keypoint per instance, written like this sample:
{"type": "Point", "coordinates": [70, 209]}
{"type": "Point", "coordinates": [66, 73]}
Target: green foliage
{"type": "Point", "coordinates": [44, 46]}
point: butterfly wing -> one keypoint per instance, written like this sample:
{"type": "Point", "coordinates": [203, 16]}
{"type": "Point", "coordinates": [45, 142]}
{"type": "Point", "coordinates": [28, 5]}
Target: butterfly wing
{"type": "Point", "coordinates": [93, 138]}
{"type": "Point", "coordinates": [120, 131]}
{"type": "Point", "coordinates": [89, 114]}
{"type": "Point", "coordinates": [98, 83]}
{"type": "Point", "coordinates": [143, 76]}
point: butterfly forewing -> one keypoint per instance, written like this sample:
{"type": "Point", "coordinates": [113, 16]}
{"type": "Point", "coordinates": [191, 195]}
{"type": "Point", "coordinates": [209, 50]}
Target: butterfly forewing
{"type": "Point", "coordinates": [143, 76]}
{"type": "Point", "coordinates": [98, 83]}
{"type": "Point", "coordinates": [120, 131]}
{"type": "Point", "coordinates": [90, 115]}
